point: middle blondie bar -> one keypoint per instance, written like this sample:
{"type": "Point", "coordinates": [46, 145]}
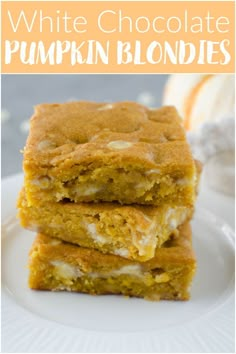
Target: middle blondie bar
{"type": "Point", "coordinates": [131, 231]}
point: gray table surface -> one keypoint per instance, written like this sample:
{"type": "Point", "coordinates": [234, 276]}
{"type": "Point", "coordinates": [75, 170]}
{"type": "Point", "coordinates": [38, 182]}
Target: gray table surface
{"type": "Point", "coordinates": [21, 92]}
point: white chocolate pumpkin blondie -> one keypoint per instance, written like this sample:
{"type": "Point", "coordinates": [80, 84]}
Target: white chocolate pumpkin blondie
{"type": "Point", "coordinates": [93, 152]}
{"type": "Point", "coordinates": [131, 231]}
{"type": "Point", "coordinates": [57, 265]}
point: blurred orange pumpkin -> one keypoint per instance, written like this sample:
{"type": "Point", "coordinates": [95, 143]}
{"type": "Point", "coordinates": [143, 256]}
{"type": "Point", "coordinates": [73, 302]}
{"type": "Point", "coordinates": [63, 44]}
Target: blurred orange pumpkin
{"type": "Point", "coordinates": [200, 97]}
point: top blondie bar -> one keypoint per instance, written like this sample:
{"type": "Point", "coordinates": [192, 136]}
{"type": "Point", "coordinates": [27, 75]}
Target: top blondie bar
{"type": "Point", "coordinates": [90, 152]}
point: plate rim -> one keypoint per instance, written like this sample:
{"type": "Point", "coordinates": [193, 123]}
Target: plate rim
{"type": "Point", "coordinates": [117, 340]}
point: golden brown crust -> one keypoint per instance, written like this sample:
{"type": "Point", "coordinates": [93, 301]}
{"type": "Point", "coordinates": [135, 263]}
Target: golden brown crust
{"type": "Point", "coordinates": [80, 144]}
{"type": "Point", "coordinates": [77, 130]}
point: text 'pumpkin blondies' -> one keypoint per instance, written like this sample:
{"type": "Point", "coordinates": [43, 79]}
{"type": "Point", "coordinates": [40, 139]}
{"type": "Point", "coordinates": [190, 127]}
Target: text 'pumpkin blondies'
{"type": "Point", "coordinates": [125, 152]}
{"type": "Point", "coordinates": [56, 265]}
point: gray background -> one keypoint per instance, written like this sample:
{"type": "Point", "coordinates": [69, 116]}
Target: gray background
{"type": "Point", "coordinates": [21, 92]}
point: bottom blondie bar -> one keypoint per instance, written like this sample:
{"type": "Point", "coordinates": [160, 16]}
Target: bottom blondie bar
{"type": "Point", "coordinates": [57, 265]}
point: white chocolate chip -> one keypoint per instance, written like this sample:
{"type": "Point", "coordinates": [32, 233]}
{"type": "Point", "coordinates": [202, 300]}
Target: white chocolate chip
{"type": "Point", "coordinates": [182, 181]}
{"type": "Point", "coordinates": [171, 219]}
{"type": "Point", "coordinates": [59, 196]}
{"type": "Point", "coordinates": [162, 278]}
{"type": "Point", "coordinates": [55, 242]}
{"type": "Point", "coordinates": [105, 107]}
{"type": "Point", "coordinates": [134, 270]}
{"type": "Point", "coordinates": [150, 156]}
{"type": "Point", "coordinates": [122, 252]}
{"type": "Point", "coordinates": [66, 271]}
{"type": "Point", "coordinates": [95, 235]}
{"type": "Point", "coordinates": [87, 190]}
{"type": "Point", "coordinates": [169, 213]}
{"type": "Point", "coordinates": [42, 182]}
{"type": "Point", "coordinates": [46, 144]}
{"type": "Point", "coordinates": [175, 217]}
{"type": "Point", "coordinates": [144, 241]}
{"type": "Point", "coordinates": [119, 144]}
{"type": "Point", "coordinates": [154, 171]}
{"type": "Point", "coordinates": [147, 218]}
{"type": "Point", "coordinates": [173, 223]}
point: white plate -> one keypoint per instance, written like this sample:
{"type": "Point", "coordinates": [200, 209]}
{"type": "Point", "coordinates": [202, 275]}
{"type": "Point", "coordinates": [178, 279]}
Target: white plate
{"type": "Point", "coordinates": [66, 322]}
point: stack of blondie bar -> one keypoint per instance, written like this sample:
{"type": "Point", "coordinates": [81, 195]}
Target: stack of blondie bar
{"type": "Point", "coordinates": [110, 189]}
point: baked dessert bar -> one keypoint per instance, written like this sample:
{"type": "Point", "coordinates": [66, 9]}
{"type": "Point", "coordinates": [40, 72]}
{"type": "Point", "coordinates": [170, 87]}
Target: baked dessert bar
{"type": "Point", "coordinates": [131, 231]}
{"type": "Point", "coordinates": [125, 152]}
{"type": "Point", "coordinates": [56, 265]}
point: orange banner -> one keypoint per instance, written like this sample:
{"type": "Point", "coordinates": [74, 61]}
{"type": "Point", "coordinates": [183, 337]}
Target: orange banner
{"type": "Point", "coordinates": [118, 37]}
